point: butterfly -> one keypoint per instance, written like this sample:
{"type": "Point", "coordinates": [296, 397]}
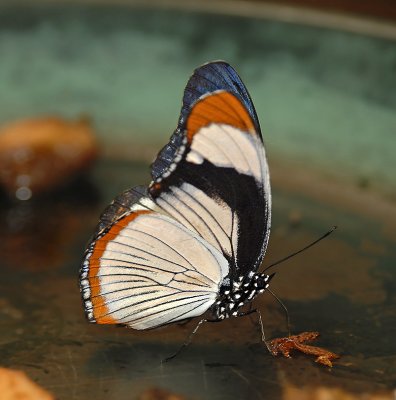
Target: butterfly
{"type": "Point", "coordinates": [193, 240]}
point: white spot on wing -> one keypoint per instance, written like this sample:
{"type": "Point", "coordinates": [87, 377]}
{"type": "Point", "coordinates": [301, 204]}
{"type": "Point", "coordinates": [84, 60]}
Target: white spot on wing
{"type": "Point", "coordinates": [144, 204]}
{"type": "Point", "coordinates": [194, 157]}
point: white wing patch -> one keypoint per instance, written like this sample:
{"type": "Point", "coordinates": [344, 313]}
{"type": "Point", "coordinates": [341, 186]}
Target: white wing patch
{"type": "Point", "coordinates": [227, 146]}
{"type": "Point", "coordinates": [155, 271]}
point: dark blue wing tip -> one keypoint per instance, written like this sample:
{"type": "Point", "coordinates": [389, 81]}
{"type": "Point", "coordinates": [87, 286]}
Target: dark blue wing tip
{"type": "Point", "coordinates": [208, 78]}
{"type": "Point", "coordinates": [211, 77]}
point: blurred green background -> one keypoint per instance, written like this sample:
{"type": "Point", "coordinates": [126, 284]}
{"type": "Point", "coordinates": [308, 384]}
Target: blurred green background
{"type": "Point", "coordinates": [324, 98]}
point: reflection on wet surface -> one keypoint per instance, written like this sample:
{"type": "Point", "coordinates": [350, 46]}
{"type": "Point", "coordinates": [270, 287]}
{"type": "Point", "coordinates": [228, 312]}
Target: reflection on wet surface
{"type": "Point", "coordinates": [343, 288]}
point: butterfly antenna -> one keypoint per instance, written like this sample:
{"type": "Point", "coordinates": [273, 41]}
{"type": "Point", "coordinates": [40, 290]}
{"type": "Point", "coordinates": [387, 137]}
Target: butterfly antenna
{"type": "Point", "coordinates": [301, 250]}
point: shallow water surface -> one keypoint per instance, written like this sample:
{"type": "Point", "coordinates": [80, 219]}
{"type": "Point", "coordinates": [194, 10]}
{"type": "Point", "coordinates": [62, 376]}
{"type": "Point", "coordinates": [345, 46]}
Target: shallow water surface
{"type": "Point", "coordinates": [343, 287]}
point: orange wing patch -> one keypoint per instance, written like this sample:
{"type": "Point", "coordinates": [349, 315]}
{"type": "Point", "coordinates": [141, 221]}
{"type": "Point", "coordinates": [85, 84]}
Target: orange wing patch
{"type": "Point", "coordinates": [221, 108]}
{"type": "Point", "coordinates": [100, 309]}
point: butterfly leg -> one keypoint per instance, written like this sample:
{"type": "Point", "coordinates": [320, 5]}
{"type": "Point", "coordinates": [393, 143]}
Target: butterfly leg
{"type": "Point", "coordinates": [187, 342]}
{"type": "Point", "coordinates": [260, 320]}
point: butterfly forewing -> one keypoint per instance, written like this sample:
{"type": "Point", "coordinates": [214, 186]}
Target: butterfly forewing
{"type": "Point", "coordinates": [217, 182]}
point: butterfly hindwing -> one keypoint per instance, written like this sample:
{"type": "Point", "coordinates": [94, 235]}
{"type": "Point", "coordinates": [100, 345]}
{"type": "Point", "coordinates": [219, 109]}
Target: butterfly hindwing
{"type": "Point", "coordinates": [145, 269]}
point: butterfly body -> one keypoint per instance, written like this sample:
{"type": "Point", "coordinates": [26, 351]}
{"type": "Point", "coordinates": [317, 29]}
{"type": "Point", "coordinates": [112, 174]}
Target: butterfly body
{"type": "Point", "coordinates": [194, 239]}
{"type": "Point", "coordinates": [235, 296]}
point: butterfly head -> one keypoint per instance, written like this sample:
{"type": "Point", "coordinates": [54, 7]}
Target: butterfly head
{"type": "Point", "coordinates": [261, 281]}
